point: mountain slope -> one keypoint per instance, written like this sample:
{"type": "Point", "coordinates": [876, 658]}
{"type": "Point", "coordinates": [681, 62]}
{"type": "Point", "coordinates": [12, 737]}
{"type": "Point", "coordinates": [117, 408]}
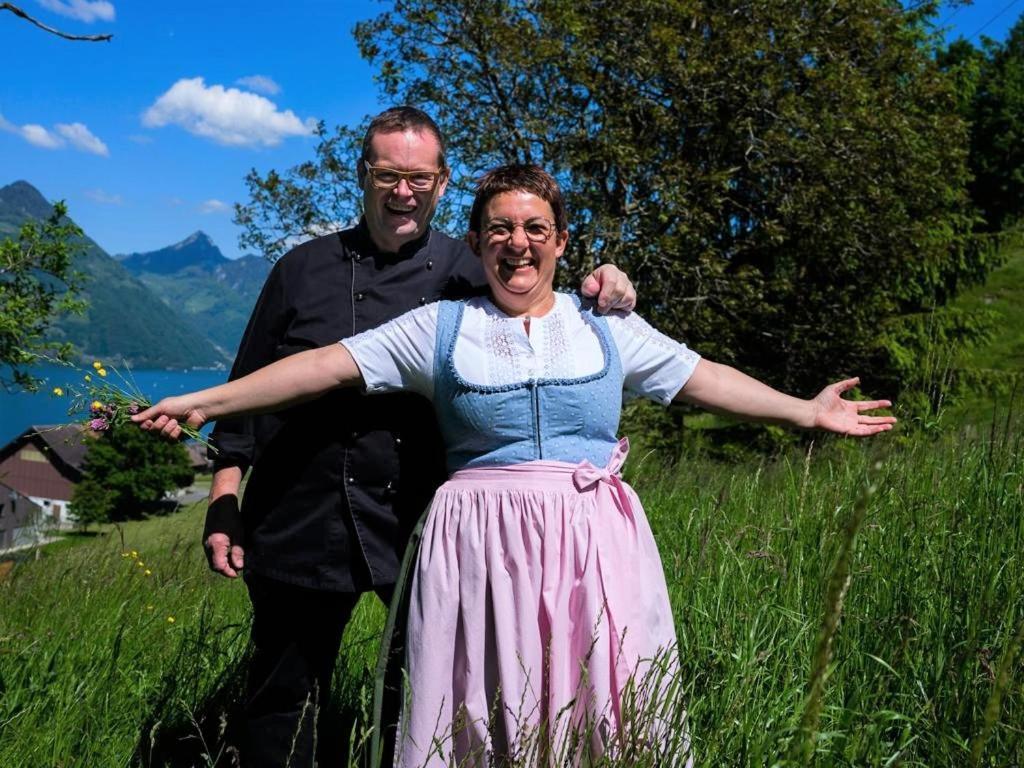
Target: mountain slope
{"type": "Point", "coordinates": [124, 319]}
{"type": "Point", "coordinates": [216, 293]}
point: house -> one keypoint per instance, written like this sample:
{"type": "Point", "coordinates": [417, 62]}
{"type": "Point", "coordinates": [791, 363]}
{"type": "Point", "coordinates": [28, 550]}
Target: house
{"type": "Point", "coordinates": [19, 519]}
{"type": "Point", "coordinates": [197, 457]}
{"type": "Point", "coordinates": [44, 464]}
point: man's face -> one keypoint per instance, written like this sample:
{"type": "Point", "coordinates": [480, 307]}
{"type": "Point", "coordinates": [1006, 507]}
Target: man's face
{"type": "Point", "coordinates": [400, 215]}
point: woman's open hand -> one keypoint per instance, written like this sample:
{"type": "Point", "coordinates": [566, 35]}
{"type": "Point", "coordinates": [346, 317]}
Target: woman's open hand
{"type": "Point", "coordinates": [168, 416]}
{"type": "Point", "coordinates": [847, 417]}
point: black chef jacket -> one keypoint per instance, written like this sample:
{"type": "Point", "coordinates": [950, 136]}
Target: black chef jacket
{"type": "Point", "coordinates": [338, 483]}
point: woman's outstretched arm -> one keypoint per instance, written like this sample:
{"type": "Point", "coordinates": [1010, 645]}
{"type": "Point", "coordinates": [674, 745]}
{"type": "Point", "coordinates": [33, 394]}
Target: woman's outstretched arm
{"type": "Point", "coordinates": [722, 389]}
{"type": "Point", "coordinates": [287, 382]}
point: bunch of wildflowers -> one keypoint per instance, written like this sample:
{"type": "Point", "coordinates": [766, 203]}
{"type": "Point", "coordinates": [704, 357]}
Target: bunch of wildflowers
{"type": "Point", "coordinates": [108, 402]}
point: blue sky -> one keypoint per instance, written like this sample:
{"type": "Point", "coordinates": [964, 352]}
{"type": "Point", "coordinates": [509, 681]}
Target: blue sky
{"type": "Point", "coordinates": [148, 137]}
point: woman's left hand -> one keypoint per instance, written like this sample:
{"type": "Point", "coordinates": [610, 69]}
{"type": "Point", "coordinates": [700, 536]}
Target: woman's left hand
{"type": "Point", "coordinates": [833, 413]}
{"type": "Point", "coordinates": [168, 416]}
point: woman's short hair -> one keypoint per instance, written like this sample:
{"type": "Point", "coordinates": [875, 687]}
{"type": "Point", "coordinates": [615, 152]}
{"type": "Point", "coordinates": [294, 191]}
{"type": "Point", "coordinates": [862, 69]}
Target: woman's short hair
{"type": "Point", "coordinates": [518, 178]}
{"type": "Point", "coordinates": [399, 120]}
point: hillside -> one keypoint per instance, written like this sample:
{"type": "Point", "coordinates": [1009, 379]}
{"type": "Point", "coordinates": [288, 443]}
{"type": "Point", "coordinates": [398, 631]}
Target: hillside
{"type": "Point", "coordinates": [124, 319]}
{"type": "Point", "coordinates": [216, 293]}
{"type": "Point", "coordinates": [991, 372]}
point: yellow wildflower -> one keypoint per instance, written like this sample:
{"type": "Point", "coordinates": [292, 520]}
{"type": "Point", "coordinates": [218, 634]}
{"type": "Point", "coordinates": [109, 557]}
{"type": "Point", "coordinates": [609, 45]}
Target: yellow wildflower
{"type": "Point", "coordinates": [141, 564]}
{"type": "Point", "coordinates": [149, 607]}
{"type": "Point", "coordinates": [170, 619]}
{"type": "Point", "coordinates": [147, 572]}
{"type": "Point", "coordinates": [96, 405]}
{"type": "Point", "coordinates": [97, 365]}
{"type": "Point", "coordinates": [58, 392]}
{"type": "Point", "coordinates": [134, 554]}
{"type": "Point", "coordinates": [101, 371]}
{"type": "Point", "coordinates": [87, 377]}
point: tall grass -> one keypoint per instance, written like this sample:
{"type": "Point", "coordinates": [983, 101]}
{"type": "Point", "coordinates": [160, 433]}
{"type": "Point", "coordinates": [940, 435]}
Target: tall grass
{"type": "Point", "coordinates": [923, 662]}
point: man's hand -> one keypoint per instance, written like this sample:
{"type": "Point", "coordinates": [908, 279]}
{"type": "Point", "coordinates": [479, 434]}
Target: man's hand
{"type": "Point", "coordinates": [611, 287]}
{"type": "Point", "coordinates": [223, 533]}
{"type": "Point", "coordinates": [223, 557]}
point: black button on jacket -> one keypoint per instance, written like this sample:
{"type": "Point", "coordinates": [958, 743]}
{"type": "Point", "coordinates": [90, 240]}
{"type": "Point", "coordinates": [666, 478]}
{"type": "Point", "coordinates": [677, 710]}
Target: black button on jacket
{"type": "Point", "coordinates": [338, 483]}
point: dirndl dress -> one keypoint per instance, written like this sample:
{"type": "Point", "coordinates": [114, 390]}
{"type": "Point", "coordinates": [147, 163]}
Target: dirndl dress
{"type": "Point", "coordinates": [538, 607]}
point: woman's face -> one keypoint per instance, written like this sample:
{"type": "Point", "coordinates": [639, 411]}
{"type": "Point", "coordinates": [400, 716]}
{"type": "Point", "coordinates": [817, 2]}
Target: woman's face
{"type": "Point", "coordinates": [519, 246]}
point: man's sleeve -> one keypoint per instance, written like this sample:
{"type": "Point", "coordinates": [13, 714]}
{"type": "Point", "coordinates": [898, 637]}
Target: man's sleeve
{"type": "Point", "coordinates": [235, 438]}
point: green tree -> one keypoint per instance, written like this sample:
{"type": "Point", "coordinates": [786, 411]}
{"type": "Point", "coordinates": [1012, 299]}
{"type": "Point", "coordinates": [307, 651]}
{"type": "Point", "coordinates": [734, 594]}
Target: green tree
{"type": "Point", "coordinates": [311, 199]}
{"type": "Point", "coordinates": [785, 180]}
{"type": "Point", "coordinates": [127, 473]}
{"type": "Point", "coordinates": [37, 284]}
{"type": "Point", "coordinates": [91, 503]}
{"type": "Point", "coordinates": [996, 113]}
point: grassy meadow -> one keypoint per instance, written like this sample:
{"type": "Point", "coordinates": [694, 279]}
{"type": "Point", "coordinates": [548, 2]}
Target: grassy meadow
{"type": "Point", "coordinates": [123, 650]}
{"type": "Point", "coordinates": [854, 604]}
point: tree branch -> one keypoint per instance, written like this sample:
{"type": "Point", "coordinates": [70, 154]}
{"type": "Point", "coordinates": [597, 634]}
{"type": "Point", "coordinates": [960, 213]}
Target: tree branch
{"type": "Point", "coordinates": [88, 38]}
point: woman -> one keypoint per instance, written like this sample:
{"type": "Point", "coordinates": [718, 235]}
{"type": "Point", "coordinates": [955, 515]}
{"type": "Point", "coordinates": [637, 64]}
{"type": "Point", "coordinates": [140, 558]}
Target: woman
{"type": "Point", "coordinates": [539, 598]}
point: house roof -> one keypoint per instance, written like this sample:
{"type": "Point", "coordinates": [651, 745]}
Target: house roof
{"type": "Point", "coordinates": [65, 444]}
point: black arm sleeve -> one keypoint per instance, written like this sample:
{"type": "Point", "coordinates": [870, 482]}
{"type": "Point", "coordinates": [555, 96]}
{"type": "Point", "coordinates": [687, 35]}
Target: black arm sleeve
{"type": "Point", "coordinates": [235, 439]}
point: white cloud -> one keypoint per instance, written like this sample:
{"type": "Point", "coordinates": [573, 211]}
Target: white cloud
{"type": "Point", "coordinates": [76, 134]}
{"type": "Point", "coordinates": [213, 206]}
{"type": "Point", "coordinates": [103, 198]}
{"type": "Point", "coordinates": [40, 137]}
{"type": "Point", "coordinates": [141, 138]}
{"type": "Point", "coordinates": [225, 115]}
{"type": "Point", "coordinates": [80, 137]}
{"type": "Point", "coordinates": [32, 133]}
{"type": "Point", "coordinates": [260, 84]}
{"type": "Point", "coordinates": [83, 10]}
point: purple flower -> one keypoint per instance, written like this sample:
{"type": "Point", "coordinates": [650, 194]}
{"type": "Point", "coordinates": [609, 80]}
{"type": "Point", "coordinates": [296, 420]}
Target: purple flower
{"type": "Point", "coordinates": [98, 425]}
{"type": "Point", "coordinates": [133, 409]}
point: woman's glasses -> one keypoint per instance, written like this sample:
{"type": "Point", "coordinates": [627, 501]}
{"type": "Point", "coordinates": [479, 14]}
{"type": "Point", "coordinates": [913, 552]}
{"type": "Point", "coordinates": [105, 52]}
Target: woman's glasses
{"type": "Point", "coordinates": [388, 178]}
{"type": "Point", "coordinates": [536, 230]}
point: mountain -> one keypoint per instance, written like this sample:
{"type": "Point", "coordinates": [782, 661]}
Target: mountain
{"type": "Point", "coordinates": [196, 250]}
{"type": "Point", "coordinates": [216, 293]}
{"type": "Point", "coordinates": [124, 319]}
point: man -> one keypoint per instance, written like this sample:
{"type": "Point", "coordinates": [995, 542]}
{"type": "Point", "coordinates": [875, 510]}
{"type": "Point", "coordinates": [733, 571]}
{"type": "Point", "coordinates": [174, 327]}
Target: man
{"type": "Point", "coordinates": [331, 501]}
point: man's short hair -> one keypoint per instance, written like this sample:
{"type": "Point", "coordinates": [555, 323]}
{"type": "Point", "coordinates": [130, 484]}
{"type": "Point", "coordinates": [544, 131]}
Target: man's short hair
{"type": "Point", "coordinates": [399, 120]}
{"type": "Point", "coordinates": [518, 178]}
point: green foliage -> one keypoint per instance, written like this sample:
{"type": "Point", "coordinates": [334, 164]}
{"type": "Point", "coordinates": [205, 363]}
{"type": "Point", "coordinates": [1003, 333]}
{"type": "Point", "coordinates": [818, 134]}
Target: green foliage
{"type": "Point", "coordinates": [91, 503]}
{"type": "Point", "coordinates": [309, 200]}
{"type": "Point", "coordinates": [127, 474]}
{"type": "Point", "coordinates": [93, 673]}
{"type": "Point", "coordinates": [37, 284]}
{"type": "Point", "coordinates": [991, 87]}
{"type": "Point", "coordinates": [781, 179]}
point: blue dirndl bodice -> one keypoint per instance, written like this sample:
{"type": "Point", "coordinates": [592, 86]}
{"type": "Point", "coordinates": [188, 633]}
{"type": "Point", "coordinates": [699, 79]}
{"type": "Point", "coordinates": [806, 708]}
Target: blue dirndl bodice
{"type": "Point", "coordinates": [567, 419]}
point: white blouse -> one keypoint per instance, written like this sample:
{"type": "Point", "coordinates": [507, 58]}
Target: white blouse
{"type": "Point", "coordinates": [493, 348]}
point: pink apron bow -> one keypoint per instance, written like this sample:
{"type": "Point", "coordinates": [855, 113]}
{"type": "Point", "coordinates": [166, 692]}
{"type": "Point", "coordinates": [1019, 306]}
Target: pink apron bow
{"type": "Point", "coordinates": [587, 476]}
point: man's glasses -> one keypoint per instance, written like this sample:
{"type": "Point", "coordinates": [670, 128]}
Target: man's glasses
{"type": "Point", "coordinates": [536, 230]}
{"type": "Point", "coordinates": [388, 178]}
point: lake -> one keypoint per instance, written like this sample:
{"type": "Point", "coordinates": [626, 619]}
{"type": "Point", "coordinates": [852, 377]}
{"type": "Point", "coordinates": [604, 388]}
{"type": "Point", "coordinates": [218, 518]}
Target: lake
{"type": "Point", "coordinates": [21, 410]}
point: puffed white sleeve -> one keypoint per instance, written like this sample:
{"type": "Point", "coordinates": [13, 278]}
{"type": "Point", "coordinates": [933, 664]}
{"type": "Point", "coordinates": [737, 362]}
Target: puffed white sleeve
{"type": "Point", "coordinates": [654, 366]}
{"type": "Point", "coordinates": [398, 355]}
